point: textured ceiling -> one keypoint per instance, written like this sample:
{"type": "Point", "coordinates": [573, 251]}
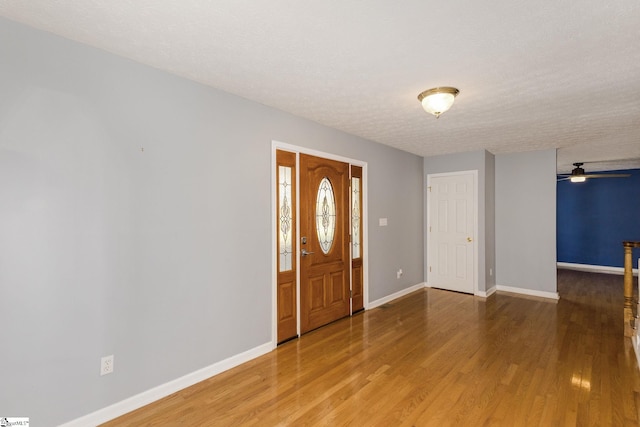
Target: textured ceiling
{"type": "Point", "coordinates": [532, 74]}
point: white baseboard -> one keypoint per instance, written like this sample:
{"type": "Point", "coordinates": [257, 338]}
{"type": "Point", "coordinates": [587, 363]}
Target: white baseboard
{"type": "Point", "coordinates": [120, 408]}
{"type": "Point", "coordinates": [384, 300]}
{"type": "Point", "coordinates": [594, 268]}
{"type": "Point", "coordinates": [522, 291]}
{"type": "Point", "coordinates": [529, 292]}
{"type": "Point", "coordinates": [487, 293]}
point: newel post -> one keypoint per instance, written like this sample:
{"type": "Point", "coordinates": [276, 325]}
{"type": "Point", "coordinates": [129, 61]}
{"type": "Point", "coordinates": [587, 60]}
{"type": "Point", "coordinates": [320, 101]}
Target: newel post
{"type": "Point", "coordinates": [629, 317]}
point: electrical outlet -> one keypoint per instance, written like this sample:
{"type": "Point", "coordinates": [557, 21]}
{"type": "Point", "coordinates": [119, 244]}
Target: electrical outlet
{"type": "Point", "coordinates": [399, 273]}
{"type": "Point", "coordinates": [106, 365]}
{"type": "Point", "coordinates": [491, 272]}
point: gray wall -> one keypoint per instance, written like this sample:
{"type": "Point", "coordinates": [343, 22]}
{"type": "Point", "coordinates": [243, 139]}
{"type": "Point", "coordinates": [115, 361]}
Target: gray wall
{"type": "Point", "coordinates": [399, 245]}
{"type": "Point", "coordinates": [526, 220]}
{"type": "Point", "coordinates": [483, 162]}
{"type": "Point", "coordinates": [160, 257]}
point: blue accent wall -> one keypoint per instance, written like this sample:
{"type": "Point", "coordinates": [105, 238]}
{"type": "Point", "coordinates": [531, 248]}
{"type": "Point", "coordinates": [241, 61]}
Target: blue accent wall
{"type": "Point", "coordinates": [595, 217]}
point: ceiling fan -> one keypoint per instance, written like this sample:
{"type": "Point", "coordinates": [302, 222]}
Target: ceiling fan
{"type": "Point", "coordinates": [578, 174]}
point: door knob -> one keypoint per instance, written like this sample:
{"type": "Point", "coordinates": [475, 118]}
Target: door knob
{"type": "Point", "coordinates": [305, 253]}
{"type": "Point", "coordinates": [469, 239]}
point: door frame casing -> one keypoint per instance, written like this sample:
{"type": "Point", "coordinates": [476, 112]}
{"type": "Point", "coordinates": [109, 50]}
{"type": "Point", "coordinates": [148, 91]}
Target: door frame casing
{"type": "Point", "coordinates": [474, 173]}
{"type": "Point", "coordinates": [278, 145]}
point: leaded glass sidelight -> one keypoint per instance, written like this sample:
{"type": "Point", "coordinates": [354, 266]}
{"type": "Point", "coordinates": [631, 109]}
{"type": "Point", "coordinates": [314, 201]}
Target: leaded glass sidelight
{"type": "Point", "coordinates": [325, 215]}
{"type": "Point", "coordinates": [355, 217]}
{"type": "Point", "coordinates": [285, 218]}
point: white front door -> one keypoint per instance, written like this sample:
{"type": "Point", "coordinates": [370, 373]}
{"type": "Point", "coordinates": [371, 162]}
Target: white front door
{"type": "Point", "coordinates": [451, 204]}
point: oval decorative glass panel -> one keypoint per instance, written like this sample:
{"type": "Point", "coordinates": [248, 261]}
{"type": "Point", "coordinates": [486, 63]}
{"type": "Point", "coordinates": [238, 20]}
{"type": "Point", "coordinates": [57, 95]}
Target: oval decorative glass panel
{"type": "Point", "coordinates": [325, 215]}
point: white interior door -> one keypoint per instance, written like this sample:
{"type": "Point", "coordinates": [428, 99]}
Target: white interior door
{"type": "Point", "coordinates": [451, 204]}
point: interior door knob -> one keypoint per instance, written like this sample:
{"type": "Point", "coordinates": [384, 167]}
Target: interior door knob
{"type": "Point", "coordinates": [469, 239]}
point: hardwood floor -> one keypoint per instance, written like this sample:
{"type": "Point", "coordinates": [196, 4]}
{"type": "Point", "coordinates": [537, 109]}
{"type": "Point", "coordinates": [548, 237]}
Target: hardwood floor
{"type": "Point", "coordinates": [436, 358]}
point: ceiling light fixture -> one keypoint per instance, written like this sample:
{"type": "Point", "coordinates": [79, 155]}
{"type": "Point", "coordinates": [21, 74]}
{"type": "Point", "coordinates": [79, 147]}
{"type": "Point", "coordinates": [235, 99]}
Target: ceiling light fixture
{"type": "Point", "coordinates": [438, 100]}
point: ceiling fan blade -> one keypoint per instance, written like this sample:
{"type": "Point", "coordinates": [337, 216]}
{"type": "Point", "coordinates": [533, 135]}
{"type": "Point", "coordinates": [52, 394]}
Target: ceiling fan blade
{"type": "Point", "coordinates": [590, 176]}
{"type": "Point", "coordinates": [608, 175]}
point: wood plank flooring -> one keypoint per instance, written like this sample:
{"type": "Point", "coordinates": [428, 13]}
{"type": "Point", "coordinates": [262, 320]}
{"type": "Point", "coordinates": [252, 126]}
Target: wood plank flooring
{"type": "Point", "coordinates": [436, 358]}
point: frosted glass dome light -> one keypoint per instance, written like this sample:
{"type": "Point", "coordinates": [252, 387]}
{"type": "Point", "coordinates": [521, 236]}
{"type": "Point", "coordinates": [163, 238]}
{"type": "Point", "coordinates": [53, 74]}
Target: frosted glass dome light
{"type": "Point", "coordinates": [438, 100]}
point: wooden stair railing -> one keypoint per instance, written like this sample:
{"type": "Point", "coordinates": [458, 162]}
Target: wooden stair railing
{"type": "Point", "coordinates": [630, 304]}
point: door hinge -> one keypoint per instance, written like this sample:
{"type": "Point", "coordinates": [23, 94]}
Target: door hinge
{"type": "Point", "coordinates": [429, 187]}
{"type": "Point", "coordinates": [429, 269]}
